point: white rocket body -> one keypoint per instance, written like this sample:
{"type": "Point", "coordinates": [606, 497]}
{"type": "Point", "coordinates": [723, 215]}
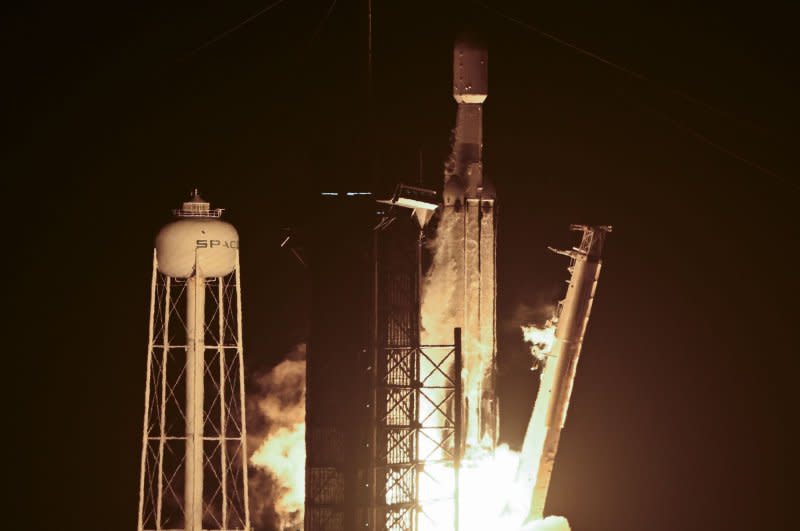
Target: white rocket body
{"type": "Point", "coordinates": [469, 214]}
{"type": "Point", "coordinates": [558, 375]}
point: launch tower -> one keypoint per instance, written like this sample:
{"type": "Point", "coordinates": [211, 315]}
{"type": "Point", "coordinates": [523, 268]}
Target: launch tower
{"type": "Point", "coordinates": [421, 412]}
{"type": "Point", "coordinates": [194, 452]}
{"type": "Point", "coordinates": [560, 365]}
{"type": "Point", "coordinates": [416, 438]}
{"type": "Point", "coordinates": [337, 381]}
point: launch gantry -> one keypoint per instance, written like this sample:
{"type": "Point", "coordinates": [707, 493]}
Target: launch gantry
{"type": "Point", "coordinates": [416, 389]}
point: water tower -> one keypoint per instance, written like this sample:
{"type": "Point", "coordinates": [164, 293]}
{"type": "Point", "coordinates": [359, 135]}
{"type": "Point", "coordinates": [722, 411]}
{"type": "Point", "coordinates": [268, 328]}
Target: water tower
{"type": "Point", "coordinates": [194, 453]}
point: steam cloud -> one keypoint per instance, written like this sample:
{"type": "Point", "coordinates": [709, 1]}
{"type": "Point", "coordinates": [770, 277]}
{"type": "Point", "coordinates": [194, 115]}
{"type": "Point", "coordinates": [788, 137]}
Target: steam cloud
{"type": "Point", "coordinates": [280, 407]}
{"type": "Point", "coordinates": [550, 523]}
{"type": "Point", "coordinates": [541, 339]}
{"type": "Point", "coordinates": [490, 496]}
{"type": "Point", "coordinates": [439, 314]}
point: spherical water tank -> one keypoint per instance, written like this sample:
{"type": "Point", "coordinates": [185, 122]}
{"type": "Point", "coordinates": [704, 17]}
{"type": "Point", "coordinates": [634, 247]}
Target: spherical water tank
{"type": "Point", "coordinates": [197, 243]}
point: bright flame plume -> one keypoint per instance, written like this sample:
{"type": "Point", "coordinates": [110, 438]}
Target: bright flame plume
{"type": "Point", "coordinates": [490, 496]}
{"type": "Point", "coordinates": [281, 452]}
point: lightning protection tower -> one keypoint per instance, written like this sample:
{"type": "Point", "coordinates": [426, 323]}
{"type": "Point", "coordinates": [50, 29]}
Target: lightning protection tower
{"type": "Point", "coordinates": [194, 453]}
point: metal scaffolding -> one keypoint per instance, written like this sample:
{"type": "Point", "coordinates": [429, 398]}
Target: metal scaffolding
{"type": "Point", "coordinates": [380, 405]}
{"type": "Point", "coordinates": [416, 398]}
{"type": "Point", "coordinates": [418, 426]}
{"type": "Point", "coordinates": [203, 444]}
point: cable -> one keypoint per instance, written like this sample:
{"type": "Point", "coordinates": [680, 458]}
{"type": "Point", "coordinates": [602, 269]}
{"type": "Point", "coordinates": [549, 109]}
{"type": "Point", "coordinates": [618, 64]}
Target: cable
{"type": "Point", "coordinates": [632, 73]}
{"type": "Point", "coordinates": [237, 26]}
{"type": "Point", "coordinates": [704, 139]}
{"type": "Point", "coordinates": [641, 77]}
{"type": "Point", "coordinates": [322, 23]}
{"type": "Point", "coordinates": [562, 42]}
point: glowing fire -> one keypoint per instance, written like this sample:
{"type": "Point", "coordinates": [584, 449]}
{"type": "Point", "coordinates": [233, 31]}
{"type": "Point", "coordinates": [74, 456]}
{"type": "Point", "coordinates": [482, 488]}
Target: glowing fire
{"type": "Point", "coordinates": [490, 494]}
{"type": "Point", "coordinates": [281, 452]}
{"type": "Point", "coordinates": [485, 485]}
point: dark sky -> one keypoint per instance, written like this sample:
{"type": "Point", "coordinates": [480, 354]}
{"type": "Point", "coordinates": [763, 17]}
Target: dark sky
{"type": "Point", "coordinates": [683, 410]}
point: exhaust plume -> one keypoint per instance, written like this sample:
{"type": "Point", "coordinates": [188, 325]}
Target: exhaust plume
{"type": "Point", "coordinates": [491, 498]}
{"type": "Point", "coordinates": [280, 455]}
{"type": "Point", "coordinates": [540, 339]}
{"type": "Point", "coordinates": [550, 523]}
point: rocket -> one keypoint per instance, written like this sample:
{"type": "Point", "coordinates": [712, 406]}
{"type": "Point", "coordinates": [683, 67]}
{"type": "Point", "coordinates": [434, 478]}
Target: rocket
{"type": "Point", "coordinates": [558, 374]}
{"type": "Point", "coordinates": [468, 218]}
{"type": "Point", "coordinates": [464, 178]}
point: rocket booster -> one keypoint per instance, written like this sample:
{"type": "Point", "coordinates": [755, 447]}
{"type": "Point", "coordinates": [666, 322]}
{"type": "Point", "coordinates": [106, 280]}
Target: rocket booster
{"type": "Point", "coordinates": [470, 89]}
{"type": "Point", "coordinates": [558, 375]}
{"type": "Point", "coordinates": [469, 215]}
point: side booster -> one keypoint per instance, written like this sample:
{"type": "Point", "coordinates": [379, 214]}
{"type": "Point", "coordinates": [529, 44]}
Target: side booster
{"type": "Point", "coordinates": [469, 219]}
{"type": "Point", "coordinates": [558, 375]}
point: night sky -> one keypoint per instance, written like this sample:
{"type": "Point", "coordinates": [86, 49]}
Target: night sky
{"type": "Point", "coordinates": [684, 406]}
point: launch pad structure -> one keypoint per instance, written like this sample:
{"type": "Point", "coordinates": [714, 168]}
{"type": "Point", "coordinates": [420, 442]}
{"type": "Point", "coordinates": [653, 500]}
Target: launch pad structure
{"type": "Point", "coordinates": [416, 389]}
{"type": "Point", "coordinates": [415, 413]}
{"type": "Point", "coordinates": [426, 407]}
{"type": "Point", "coordinates": [557, 377]}
{"type": "Point", "coordinates": [366, 445]}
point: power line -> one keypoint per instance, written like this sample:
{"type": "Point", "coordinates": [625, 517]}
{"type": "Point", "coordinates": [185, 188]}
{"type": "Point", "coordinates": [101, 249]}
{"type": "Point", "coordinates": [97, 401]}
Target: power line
{"type": "Point", "coordinates": [722, 149]}
{"type": "Point", "coordinates": [562, 42]}
{"type": "Point", "coordinates": [319, 27]}
{"type": "Point", "coordinates": [641, 77]}
{"type": "Point", "coordinates": [616, 66]}
{"type": "Point", "coordinates": [238, 26]}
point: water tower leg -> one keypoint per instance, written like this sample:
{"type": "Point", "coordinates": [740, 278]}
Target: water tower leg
{"type": "Point", "coordinates": [223, 443]}
{"type": "Point", "coordinates": [195, 372]}
{"type": "Point", "coordinates": [242, 409]}
{"type": "Point", "coordinates": [147, 391]}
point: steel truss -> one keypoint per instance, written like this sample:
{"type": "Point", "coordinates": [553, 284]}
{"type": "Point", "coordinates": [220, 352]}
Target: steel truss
{"type": "Point", "coordinates": [418, 429]}
{"type": "Point", "coordinates": [223, 432]}
{"type": "Point", "coordinates": [416, 400]}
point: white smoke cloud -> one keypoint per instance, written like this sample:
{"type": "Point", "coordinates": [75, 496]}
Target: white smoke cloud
{"type": "Point", "coordinates": [439, 312]}
{"type": "Point", "coordinates": [550, 523]}
{"type": "Point", "coordinates": [541, 339]}
{"type": "Point", "coordinates": [278, 491]}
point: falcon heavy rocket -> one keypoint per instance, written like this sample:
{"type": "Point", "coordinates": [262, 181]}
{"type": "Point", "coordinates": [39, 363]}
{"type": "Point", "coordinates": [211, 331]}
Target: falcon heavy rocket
{"type": "Point", "coordinates": [469, 217]}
